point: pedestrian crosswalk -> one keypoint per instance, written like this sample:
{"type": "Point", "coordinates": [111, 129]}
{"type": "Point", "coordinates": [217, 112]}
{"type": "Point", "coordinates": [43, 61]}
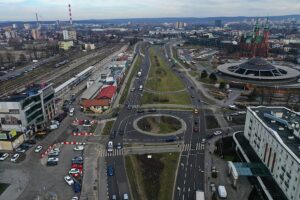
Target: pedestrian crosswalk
{"type": "Point", "coordinates": [121, 152]}
{"type": "Point", "coordinates": [115, 152]}
{"type": "Point", "coordinates": [189, 147]}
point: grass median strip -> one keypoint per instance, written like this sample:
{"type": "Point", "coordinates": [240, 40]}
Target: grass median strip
{"type": "Point", "coordinates": [152, 178]}
{"type": "Point", "coordinates": [107, 128]}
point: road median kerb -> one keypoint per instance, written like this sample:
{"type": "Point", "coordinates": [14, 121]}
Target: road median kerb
{"type": "Point", "coordinates": [181, 130]}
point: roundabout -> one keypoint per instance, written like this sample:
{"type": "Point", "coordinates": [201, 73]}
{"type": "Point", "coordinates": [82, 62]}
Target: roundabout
{"type": "Point", "coordinates": [159, 125]}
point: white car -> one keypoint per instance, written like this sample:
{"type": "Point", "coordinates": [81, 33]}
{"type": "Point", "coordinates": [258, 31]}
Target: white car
{"type": "Point", "coordinates": [74, 198]}
{"type": "Point", "coordinates": [232, 107]}
{"type": "Point", "coordinates": [110, 146]}
{"type": "Point", "coordinates": [203, 141]}
{"type": "Point", "coordinates": [217, 132]}
{"type": "Point", "coordinates": [53, 159]}
{"type": "Point", "coordinates": [69, 180]}
{"type": "Point", "coordinates": [4, 156]}
{"type": "Point", "coordinates": [74, 171]}
{"type": "Point", "coordinates": [15, 157]}
{"type": "Point", "coordinates": [79, 148]}
{"type": "Point", "coordinates": [38, 149]}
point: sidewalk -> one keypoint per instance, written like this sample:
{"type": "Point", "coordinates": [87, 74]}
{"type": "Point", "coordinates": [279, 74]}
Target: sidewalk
{"type": "Point", "coordinates": [116, 102]}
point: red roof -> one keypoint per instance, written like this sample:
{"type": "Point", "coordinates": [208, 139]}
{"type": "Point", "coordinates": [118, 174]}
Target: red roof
{"type": "Point", "coordinates": [107, 92]}
{"type": "Point", "coordinates": [95, 102]}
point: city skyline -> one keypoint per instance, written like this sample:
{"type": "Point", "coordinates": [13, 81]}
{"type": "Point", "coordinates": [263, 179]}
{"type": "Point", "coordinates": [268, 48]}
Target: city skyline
{"type": "Point", "coordinates": [24, 10]}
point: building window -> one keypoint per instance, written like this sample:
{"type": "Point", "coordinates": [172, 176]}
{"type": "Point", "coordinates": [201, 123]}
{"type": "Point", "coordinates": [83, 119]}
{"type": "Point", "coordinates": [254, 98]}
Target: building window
{"type": "Point", "coordinates": [14, 111]}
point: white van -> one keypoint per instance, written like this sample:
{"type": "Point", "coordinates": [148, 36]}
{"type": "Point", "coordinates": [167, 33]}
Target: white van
{"type": "Point", "coordinates": [222, 192]}
{"type": "Point", "coordinates": [110, 146]}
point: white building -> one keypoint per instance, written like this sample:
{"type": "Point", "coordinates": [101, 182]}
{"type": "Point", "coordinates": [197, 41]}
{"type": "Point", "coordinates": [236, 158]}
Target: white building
{"type": "Point", "coordinates": [29, 110]}
{"type": "Point", "coordinates": [69, 35]}
{"type": "Point", "coordinates": [274, 134]}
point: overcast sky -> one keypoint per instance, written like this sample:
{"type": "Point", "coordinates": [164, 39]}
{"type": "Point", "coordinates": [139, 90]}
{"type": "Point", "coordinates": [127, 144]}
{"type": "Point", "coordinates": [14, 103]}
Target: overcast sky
{"type": "Point", "coordinates": [111, 9]}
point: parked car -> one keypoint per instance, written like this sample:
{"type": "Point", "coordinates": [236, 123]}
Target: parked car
{"type": "Point", "coordinates": [53, 159]}
{"type": "Point", "coordinates": [75, 171]}
{"type": "Point", "coordinates": [4, 156]}
{"type": "Point", "coordinates": [31, 141]}
{"type": "Point", "coordinates": [76, 187]}
{"type": "Point", "coordinates": [51, 163]}
{"type": "Point", "coordinates": [77, 158]}
{"type": "Point", "coordinates": [20, 150]}
{"type": "Point", "coordinates": [15, 157]}
{"type": "Point", "coordinates": [78, 148]}
{"type": "Point", "coordinates": [38, 149]}
{"type": "Point", "coordinates": [79, 162]}
{"type": "Point", "coordinates": [69, 180]}
{"type": "Point", "coordinates": [53, 153]}
{"type": "Point", "coordinates": [77, 166]}
{"type": "Point", "coordinates": [110, 170]}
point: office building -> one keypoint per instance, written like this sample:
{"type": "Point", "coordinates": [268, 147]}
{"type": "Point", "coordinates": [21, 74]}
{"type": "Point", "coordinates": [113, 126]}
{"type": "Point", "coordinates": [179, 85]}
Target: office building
{"type": "Point", "coordinates": [274, 134]}
{"type": "Point", "coordinates": [218, 23]}
{"type": "Point", "coordinates": [29, 110]}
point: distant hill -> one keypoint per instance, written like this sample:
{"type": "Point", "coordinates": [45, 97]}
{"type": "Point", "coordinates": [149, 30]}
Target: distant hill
{"type": "Point", "coordinates": [193, 20]}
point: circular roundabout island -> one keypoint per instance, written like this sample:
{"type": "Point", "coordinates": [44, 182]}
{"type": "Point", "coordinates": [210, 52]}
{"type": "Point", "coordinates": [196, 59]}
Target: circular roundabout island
{"type": "Point", "coordinates": [159, 125]}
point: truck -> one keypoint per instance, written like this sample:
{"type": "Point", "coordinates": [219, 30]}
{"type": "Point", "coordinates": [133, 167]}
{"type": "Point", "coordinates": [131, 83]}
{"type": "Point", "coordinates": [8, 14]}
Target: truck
{"type": "Point", "coordinates": [200, 195]}
{"type": "Point", "coordinates": [139, 74]}
{"type": "Point", "coordinates": [141, 88]}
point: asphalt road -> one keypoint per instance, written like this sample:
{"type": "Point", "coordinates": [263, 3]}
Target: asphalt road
{"type": "Point", "coordinates": [190, 176]}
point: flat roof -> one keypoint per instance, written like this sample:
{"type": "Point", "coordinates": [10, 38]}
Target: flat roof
{"type": "Point", "coordinates": [282, 115]}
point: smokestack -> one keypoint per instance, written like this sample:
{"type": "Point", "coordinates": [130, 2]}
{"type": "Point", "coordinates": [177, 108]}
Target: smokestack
{"type": "Point", "coordinates": [70, 14]}
{"type": "Point", "coordinates": [37, 19]}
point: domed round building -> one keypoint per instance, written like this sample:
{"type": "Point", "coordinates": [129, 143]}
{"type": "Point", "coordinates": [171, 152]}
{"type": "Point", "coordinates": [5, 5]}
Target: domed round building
{"type": "Point", "coordinates": [258, 71]}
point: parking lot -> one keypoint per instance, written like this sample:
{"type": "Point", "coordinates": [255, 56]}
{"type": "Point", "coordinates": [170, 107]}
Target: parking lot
{"type": "Point", "coordinates": [30, 176]}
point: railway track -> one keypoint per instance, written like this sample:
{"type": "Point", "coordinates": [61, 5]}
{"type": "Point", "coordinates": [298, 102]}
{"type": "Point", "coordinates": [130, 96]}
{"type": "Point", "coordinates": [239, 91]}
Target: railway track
{"type": "Point", "coordinates": [56, 75]}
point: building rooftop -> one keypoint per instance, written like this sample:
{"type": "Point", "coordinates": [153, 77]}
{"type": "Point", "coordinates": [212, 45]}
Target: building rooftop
{"type": "Point", "coordinates": [283, 124]}
{"type": "Point", "coordinates": [30, 90]}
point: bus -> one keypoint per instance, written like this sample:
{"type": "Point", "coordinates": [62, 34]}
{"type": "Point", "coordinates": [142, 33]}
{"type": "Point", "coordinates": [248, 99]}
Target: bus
{"type": "Point", "coordinates": [200, 195]}
{"type": "Point", "coordinates": [71, 112]}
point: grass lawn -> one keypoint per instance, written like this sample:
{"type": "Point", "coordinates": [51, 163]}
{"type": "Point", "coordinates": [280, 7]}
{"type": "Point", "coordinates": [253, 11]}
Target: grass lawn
{"type": "Point", "coordinates": [3, 187]}
{"type": "Point", "coordinates": [175, 98]}
{"type": "Point", "coordinates": [131, 76]}
{"type": "Point", "coordinates": [211, 122]}
{"type": "Point", "coordinates": [107, 128]}
{"type": "Point", "coordinates": [161, 78]}
{"type": "Point", "coordinates": [152, 179]}
{"type": "Point", "coordinates": [159, 125]}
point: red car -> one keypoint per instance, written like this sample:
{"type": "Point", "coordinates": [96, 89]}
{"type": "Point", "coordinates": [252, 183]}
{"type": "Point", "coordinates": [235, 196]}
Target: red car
{"type": "Point", "coordinates": [196, 129]}
{"type": "Point", "coordinates": [76, 175]}
{"type": "Point", "coordinates": [80, 122]}
{"type": "Point", "coordinates": [77, 166]}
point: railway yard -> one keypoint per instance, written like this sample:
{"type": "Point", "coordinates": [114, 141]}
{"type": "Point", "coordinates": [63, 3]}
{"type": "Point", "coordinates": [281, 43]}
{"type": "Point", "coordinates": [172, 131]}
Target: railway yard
{"type": "Point", "coordinates": [48, 73]}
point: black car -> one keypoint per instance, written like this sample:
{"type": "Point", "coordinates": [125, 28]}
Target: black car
{"type": "Point", "coordinates": [152, 110]}
{"type": "Point", "coordinates": [112, 135]}
{"type": "Point", "coordinates": [121, 132]}
{"type": "Point", "coordinates": [31, 141]}
{"type": "Point", "coordinates": [79, 162]}
{"type": "Point", "coordinates": [140, 111]}
{"type": "Point", "coordinates": [195, 122]}
{"type": "Point", "coordinates": [51, 163]}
